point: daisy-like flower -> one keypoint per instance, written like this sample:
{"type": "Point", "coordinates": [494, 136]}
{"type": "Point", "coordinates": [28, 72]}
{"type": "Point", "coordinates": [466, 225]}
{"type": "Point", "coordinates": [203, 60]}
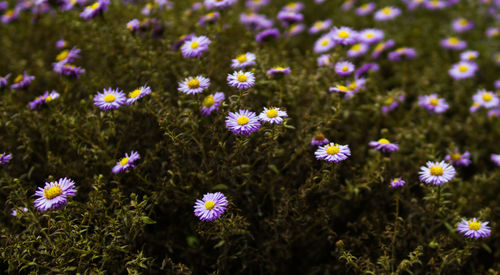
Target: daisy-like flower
{"type": "Point", "coordinates": [54, 194]}
{"type": "Point", "coordinates": [272, 115]}
{"type": "Point", "coordinates": [68, 56]}
{"type": "Point", "coordinates": [462, 25]}
{"type": "Point", "coordinates": [348, 4]}
{"type": "Point", "coordinates": [435, 4]}
{"type": "Point", "coordinates": [333, 152]}
{"type": "Point", "coordinates": [133, 25]}
{"type": "Point", "coordinates": [384, 145]}
{"type": "Point", "coordinates": [70, 70]}
{"type": "Point", "coordinates": [493, 32]}
{"type": "Point", "coordinates": [391, 103]}
{"type": "Point", "coordinates": [138, 93]}
{"type": "Point", "coordinates": [219, 4]}
{"type": "Point", "coordinates": [243, 60]}
{"type": "Point", "coordinates": [211, 207]}
{"type": "Point", "coordinates": [458, 159]}
{"type": "Point", "coordinates": [344, 35]}
{"type": "Point", "coordinates": [241, 80]}
{"type": "Point", "coordinates": [195, 46]}
{"type": "Point", "coordinates": [381, 47]}
{"type": "Point", "coordinates": [5, 158]}
{"type": "Point", "coordinates": [211, 102]}
{"type": "Point", "coordinates": [255, 21]}
{"type": "Point", "coordinates": [109, 99]}
{"type": "Point", "coordinates": [365, 9]}
{"type": "Point", "coordinates": [397, 55]}
{"type": "Point", "coordinates": [387, 13]}
{"type": "Point", "coordinates": [320, 26]}
{"type": "Point", "coordinates": [495, 158]}
{"type": "Point", "coordinates": [413, 4]}
{"type": "Point", "coordinates": [289, 17]}
{"type": "Point", "coordinates": [469, 55]}
{"type": "Point", "coordinates": [357, 50]}
{"type": "Point", "coordinates": [43, 99]}
{"type": "Point", "coordinates": [433, 104]}
{"type": "Point", "coordinates": [319, 139]}
{"type": "Point", "coordinates": [436, 173]}
{"type": "Point", "coordinates": [194, 85]}
{"type": "Point", "coordinates": [267, 35]}
{"type": "Point", "coordinates": [371, 36]}
{"type": "Point", "coordinates": [3, 81]}
{"type": "Point", "coordinates": [485, 99]}
{"type": "Point", "coordinates": [325, 60]}
{"type": "Point", "coordinates": [181, 40]}
{"type": "Point", "coordinates": [15, 211]}
{"type": "Point", "coordinates": [295, 29]}
{"type": "Point", "coordinates": [350, 88]}
{"type": "Point", "coordinates": [366, 68]}
{"type": "Point", "coordinates": [294, 6]}
{"type": "Point", "coordinates": [397, 182]}
{"type": "Point", "coordinates": [463, 69]}
{"type": "Point", "coordinates": [494, 113]}
{"type": "Point", "coordinates": [453, 43]}
{"type": "Point", "coordinates": [324, 44]}
{"type": "Point", "coordinates": [278, 70]}
{"type": "Point", "coordinates": [256, 4]}
{"type": "Point", "coordinates": [61, 43]}
{"type": "Point", "coordinates": [474, 228]}
{"type": "Point", "coordinates": [126, 163]}
{"type": "Point", "coordinates": [210, 17]}
{"type": "Point", "coordinates": [9, 16]}
{"type": "Point", "coordinates": [95, 9]}
{"type": "Point", "coordinates": [22, 81]}
{"type": "Point", "coordinates": [344, 68]}
{"type": "Point", "coordinates": [243, 122]}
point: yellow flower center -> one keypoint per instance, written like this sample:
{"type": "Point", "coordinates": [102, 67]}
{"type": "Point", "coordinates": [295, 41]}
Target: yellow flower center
{"type": "Point", "coordinates": [332, 150]}
{"type": "Point", "coordinates": [369, 35]}
{"type": "Point", "coordinates": [48, 99]}
{"type": "Point", "coordinates": [389, 100]}
{"type": "Point", "coordinates": [61, 56]}
{"type": "Point", "coordinates": [291, 5]}
{"type": "Point", "coordinates": [364, 6]}
{"type": "Point", "coordinates": [242, 78]}
{"type": "Point", "coordinates": [208, 101]}
{"type": "Point", "coordinates": [135, 93]}
{"type": "Point", "coordinates": [242, 58]}
{"type": "Point", "coordinates": [356, 47]}
{"type": "Point", "coordinates": [319, 137]}
{"type": "Point", "coordinates": [343, 34]}
{"type": "Point", "coordinates": [352, 86]}
{"type": "Point", "coordinates": [342, 88]}
{"type": "Point", "coordinates": [383, 141]}
{"type": "Point", "coordinates": [434, 101]}
{"type": "Point", "coordinates": [463, 22]}
{"type": "Point", "coordinates": [278, 68]}
{"type": "Point", "coordinates": [109, 98]}
{"type": "Point", "coordinates": [209, 205]}
{"type": "Point", "coordinates": [318, 25]}
{"type": "Point", "coordinates": [436, 171]}
{"type": "Point", "coordinates": [19, 78]}
{"type": "Point", "coordinates": [95, 5]}
{"type": "Point", "coordinates": [463, 68]}
{"type": "Point", "coordinates": [456, 157]}
{"type": "Point", "coordinates": [9, 13]}
{"type": "Point", "coordinates": [387, 11]}
{"type": "Point", "coordinates": [325, 42]}
{"type": "Point", "coordinates": [124, 161]}
{"type": "Point", "coordinates": [474, 226]}
{"type": "Point", "coordinates": [453, 40]}
{"type": "Point", "coordinates": [345, 68]}
{"type": "Point", "coordinates": [210, 15]}
{"type": "Point", "coordinates": [193, 83]}
{"type": "Point", "coordinates": [487, 97]}
{"type": "Point", "coordinates": [272, 113]}
{"type": "Point", "coordinates": [52, 192]}
{"type": "Point", "coordinates": [195, 45]}
{"type": "Point", "coordinates": [379, 47]}
{"type": "Point", "coordinates": [242, 120]}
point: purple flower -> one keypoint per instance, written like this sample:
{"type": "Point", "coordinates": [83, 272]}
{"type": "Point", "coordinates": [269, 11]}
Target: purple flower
{"type": "Point", "coordinates": [241, 80]}
{"type": "Point", "coordinates": [68, 69]}
{"type": "Point", "coordinates": [22, 81]}
{"type": "Point", "coordinates": [325, 60]}
{"type": "Point", "coordinates": [382, 46]}
{"type": "Point", "coordinates": [243, 122]}
{"type": "Point", "coordinates": [3, 81]}
{"type": "Point", "coordinates": [357, 50]}
{"type": "Point", "coordinates": [272, 115]}
{"type": "Point", "coordinates": [211, 207]}
{"type": "Point", "coordinates": [10, 15]}
{"type": "Point", "coordinates": [138, 93]}
{"type": "Point", "coordinates": [209, 18]}
{"type": "Point", "coordinates": [126, 163]}
{"type": "Point", "coordinates": [95, 9]}
{"type": "Point", "coordinates": [182, 40]}
{"type": "Point", "coordinates": [256, 21]}
{"type": "Point", "coordinates": [333, 152]}
{"type": "Point", "coordinates": [194, 85]}
{"type": "Point", "coordinates": [365, 9]}
{"type": "Point", "coordinates": [433, 104]}
{"type": "Point", "coordinates": [295, 29]}
{"type": "Point", "coordinates": [344, 35]}
{"type": "Point", "coordinates": [391, 103]}
{"type": "Point", "coordinates": [133, 25]}
{"type": "Point", "coordinates": [458, 159]}
{"type": "Point", "coordinates": [68, 56]}
{"type": "Point", "coordinates": [219, 4]}
{"type": "Point", "coordinates": [324, 44]}
{"type": "Point", "coordinates": [365, 68]}
{"type": "Point", "coordinates": [256, 4]}
{"type": "Point", "coordinates": [289, 17]}
{"type": "Point", "coordinates": [462, 25]}
{"type": "Point", "coordinates": [485, 99]}
{"type": "Point", "coordinates": [384, 145]}
{"type": "Point", "coordinates": [397, 55]}
{"type": "Point", "coordinates": [474, 229]}
{"type": "Point", "coordinates": [320, 26]}
{"type": "Point", "coordinates": [195, 46]}
{"type": "Point", "coordinates": [211, 103]}
{"type": "Point", "coordinates": [294, 6]}
{"type": "Point", "coordinates": [319, 139]}
{"type": "Point", "coordinates": [463, 69]}
{"type": "Point", "coordinates": [436, 173]}
{"type": "Point", "coordinates": [54, 194]}
{"type": "Point", "coordinates": [397, 182]}
{"type": "Point", "coordinates": [267, 35]}
{"type": "Point", "coordinates": [453, 43]}
{"type": "Point", "coordinates": [344, 68]}
{"type": "Point", "coordinates": [5, 158]}
{"type": "Point", "coordinates": [435, 5]}
{"type": "Point", "coordinates": [495, 158]}
{"type": "Point", "coordinates": [61, 43]}
{"type": "Point", "coordinates": [387, 13]}
{"type": "Point", "coordinates": [43, 99]}
{"type": "Point", "coordinates": [494, 113]}
{"type": "Point", "coordinates": [109, 99]}
{"type": "Point", "coordinates": [243, 60]}
{"type": "Point", "coordinates": [370, 36]}
{"type": "Point", "coordinates": [277, 70]}
{"type": "Point", "coordinates": [469, 55]}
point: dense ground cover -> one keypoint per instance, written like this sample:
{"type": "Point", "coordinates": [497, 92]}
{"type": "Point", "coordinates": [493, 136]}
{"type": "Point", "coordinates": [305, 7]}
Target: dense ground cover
{"type": "Point", "coordinates": [289, 209]}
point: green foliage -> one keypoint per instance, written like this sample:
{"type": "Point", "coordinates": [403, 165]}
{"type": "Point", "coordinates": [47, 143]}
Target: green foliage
{"type": "Point", "coordinates": [288, 212]}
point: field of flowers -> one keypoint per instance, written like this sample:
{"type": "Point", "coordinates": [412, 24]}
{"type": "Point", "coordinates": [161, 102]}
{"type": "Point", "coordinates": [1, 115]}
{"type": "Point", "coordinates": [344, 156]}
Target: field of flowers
{"type": "Point", "coordinates": [250, 137]}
